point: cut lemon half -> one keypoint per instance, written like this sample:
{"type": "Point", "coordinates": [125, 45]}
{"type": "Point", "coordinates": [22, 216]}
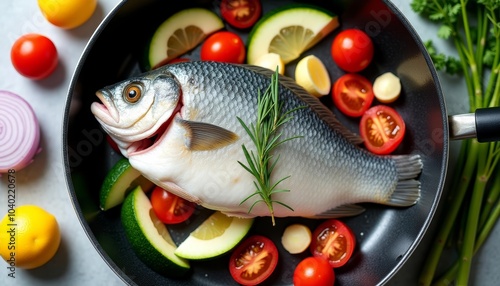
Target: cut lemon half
{"type": "Point", "coordinates": [289, 31]}
{"type": "Point", "coordinates": [313, 76]}
{"type": "Point", "coordinates": [215, 236]}
{"type": "Point", "coordinates": [148, 236]}
{"type": "Point", "coordinates": [180, 33]}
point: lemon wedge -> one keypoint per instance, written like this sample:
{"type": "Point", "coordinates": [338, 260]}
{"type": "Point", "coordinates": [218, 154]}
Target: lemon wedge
{"type": "Point", "coordinates": [313, 76]}
{"type": "Point", "coordinates": [215, 236]}
{"type": "Point", "coordinates": [289, 31]}
{"type": "Point", "coordinates": [271, 61]}
{"type": "Point", "coordinates": [180, 33]}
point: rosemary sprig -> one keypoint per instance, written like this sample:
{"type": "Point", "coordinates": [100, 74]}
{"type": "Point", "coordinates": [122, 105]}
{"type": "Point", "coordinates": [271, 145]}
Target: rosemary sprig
{"type": "Point", "coordinates": [266, 138]}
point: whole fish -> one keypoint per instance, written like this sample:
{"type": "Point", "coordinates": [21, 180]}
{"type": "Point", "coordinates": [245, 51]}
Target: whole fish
{"type": "Point", "coordinates": [178, 126]}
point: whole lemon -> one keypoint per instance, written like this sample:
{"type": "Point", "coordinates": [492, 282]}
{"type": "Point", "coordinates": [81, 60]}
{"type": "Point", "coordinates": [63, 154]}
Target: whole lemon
{"type": "Point", "coordinates": [29, 237]}
{"type": "Point", "coordinates": [67, 14]}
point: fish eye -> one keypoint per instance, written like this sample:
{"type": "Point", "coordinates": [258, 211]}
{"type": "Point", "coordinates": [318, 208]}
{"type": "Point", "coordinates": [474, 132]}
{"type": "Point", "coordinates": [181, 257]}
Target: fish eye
{"type": "Point", "coordinates": [132, 93]}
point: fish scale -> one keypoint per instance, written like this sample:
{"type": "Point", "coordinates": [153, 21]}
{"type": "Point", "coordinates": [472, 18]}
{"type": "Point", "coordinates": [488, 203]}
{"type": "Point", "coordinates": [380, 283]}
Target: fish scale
{"type": "Point", "coordinates": [197, 157]}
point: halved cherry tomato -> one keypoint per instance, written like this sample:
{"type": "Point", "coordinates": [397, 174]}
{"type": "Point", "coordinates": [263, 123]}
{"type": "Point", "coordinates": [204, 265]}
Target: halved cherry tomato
{"type": "Point", "coordinates": [333, 241]}
{"type": "Point", "coordinates": [313, 271]}
{"type": "Point", "coordinates": [34, 56]}
{"type": "Point", "coordinates": [382, 129]}
{"type": "Point", "coordinates": [223, 47]}
{"type": "Point", "coordinates": [240, 14]}
{"type": "Point", "coordinates": [253, 260]}
{"type": "Point", "coordinates": [352, 50]}
{"type": "Point", "coordinates": [169, 208]}
{"type": "Point", "coordinates": [352, 94]}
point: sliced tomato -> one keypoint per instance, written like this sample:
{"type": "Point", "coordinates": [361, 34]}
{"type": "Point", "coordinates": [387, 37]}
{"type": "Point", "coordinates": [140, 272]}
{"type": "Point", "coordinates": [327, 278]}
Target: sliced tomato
{"type": "Point", "coordinates": [334, 241]}
{"type": "Point", "coordinates": [253, 260]}
{"type": "Point", "coordinates": [382, 129]}
{"type": "Point", "coordinates": [241, 14]}
{"type": "Point", "coordinates": [169, 208]}
{"type": "Point", "coordinates": [352, 94]}
{"type": "Point", "coordinates": [225, 47]}
{"type": "Point", "coordinates": [313, 271]}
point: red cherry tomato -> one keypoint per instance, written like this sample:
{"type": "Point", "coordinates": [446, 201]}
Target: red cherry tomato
{"type": "Point", "coordinates": [253, 260]}
{"type": "Point", "coordinates": [240, 14]}
{"type": "Point", "coordinates": [223, 47]}
{"type": "Point", "coordinates": [313, 271]}
{"type": "Point", "coordinates": [382, 129]}
{"type": "Point", "coordinates": [34, 56]}
{"type": "Point", "coordinates": [352, 50]}
{"type": "Point", "coordinates": [352, 94]}
{"type": "Point", "coordinates": [333, 241]}
{"type": "Point", "coordinates": [169, 208]}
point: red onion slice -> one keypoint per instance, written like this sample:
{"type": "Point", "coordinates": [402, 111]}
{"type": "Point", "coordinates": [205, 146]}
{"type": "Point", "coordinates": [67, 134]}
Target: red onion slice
{"type": "Point", "coordinates": [19, 132]}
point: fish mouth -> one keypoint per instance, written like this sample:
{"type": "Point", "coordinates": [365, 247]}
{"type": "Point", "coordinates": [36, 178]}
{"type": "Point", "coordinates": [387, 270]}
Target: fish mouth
{"type": "Point", "coordinates": [105, 110]}
{"type": "Point", "coordinates": [148, 143]}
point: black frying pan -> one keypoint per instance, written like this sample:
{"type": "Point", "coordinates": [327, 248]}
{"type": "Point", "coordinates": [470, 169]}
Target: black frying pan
{"type": "Point", "coordinates": [386, 236]}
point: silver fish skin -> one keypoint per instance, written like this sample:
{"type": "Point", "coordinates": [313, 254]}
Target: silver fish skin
{"type": "Point", "coordinates": [178, 126]}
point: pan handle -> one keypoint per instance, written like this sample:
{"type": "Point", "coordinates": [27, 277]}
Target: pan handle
{"type": "Point", "coordinates": [484, 125]}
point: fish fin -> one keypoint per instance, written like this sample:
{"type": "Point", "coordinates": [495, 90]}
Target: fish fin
{"type": "Point", "coordinates": [180, 192]}
{"type": "Point", "coordinates": [407, 192]}
{"type": "Point", "coordinates": [341, 211]}
{"type": "Point", "coordinates": [204, 136]}
{"type": "Point", "coordinates": [238, 214]}
{"type": "Point", "coordinates": [313, 102]}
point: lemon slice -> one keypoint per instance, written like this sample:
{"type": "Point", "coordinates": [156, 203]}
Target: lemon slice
{"type": "Point", "coordinates": [313, 76]}
{"type": "Point", "coordinates": [148, 236]}
{"type": "Point", "coordinates": [289, 31]}
{"type": "Point", "coordinates": [215, 236]}
{"type": "Point", "coordinates": [180, 33]}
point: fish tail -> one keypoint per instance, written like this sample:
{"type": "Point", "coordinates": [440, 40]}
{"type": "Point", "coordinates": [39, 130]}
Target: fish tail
{"type": "Point", "coordinates": [407, 192]}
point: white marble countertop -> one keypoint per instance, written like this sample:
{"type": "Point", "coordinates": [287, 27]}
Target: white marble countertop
{"type": "Point", "coordinates": [43, 183]}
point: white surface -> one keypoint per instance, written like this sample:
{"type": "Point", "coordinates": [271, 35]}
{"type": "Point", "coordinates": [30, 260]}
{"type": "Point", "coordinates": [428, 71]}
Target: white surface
{"type": "Point", "coordinates": [43, 183]}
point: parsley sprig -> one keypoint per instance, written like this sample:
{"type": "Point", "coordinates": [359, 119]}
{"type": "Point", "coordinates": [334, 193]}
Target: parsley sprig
{"type": "Point", "coordinates": [266, 136]}
{"type": "Point", "coordinates": [473, 28]}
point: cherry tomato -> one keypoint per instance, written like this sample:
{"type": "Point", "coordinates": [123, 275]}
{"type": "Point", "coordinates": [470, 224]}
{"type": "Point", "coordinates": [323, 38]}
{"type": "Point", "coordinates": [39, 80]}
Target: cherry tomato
{"type": "Point", "coordinates": [352, 50]}
{"type": "Point", "coordinates": [67, 14]}
{"type": "Point", "coordinates": [253, 260]}
{"type": "Point", "coordinates": [352, 94]}
{"type": "Point", "coordinates": [169, 208]}
{"type": "Point", "coordinates": [382, 129]}
{"type": "Point", "coordinates": [223, 47]}
{"type": "Point", "coordinates": [34, 56]}
{"type": "Point", "coordinates": [240, 14]}
{"type": "Point", "coordinates": [313, 271]}
{"type": "Point", "coordinates": [333, 241]}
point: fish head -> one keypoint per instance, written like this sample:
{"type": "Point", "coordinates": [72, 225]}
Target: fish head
{"type": "Point", "coordinates": [135, 111]}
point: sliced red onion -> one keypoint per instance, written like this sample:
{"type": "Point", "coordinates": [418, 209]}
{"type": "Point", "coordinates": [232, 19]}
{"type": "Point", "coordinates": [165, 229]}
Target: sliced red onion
{"type": "Point", "coordinates": [19, 132]}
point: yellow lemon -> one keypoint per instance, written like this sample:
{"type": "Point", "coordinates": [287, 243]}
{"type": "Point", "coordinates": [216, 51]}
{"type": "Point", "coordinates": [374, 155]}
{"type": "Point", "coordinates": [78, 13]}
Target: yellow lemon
{"type": "Point", "coordinates": [67, 14]}
{"type": "Point", "coordinates": [29, 237]}
{"type": "Point", "coordinates": [312, 75]}
{"type": "Point", "coordinates": [271, 61]}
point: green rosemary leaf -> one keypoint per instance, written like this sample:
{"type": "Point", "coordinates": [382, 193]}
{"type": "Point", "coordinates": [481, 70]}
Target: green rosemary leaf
{"type": "Point", "coordinates": [266, 137]}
